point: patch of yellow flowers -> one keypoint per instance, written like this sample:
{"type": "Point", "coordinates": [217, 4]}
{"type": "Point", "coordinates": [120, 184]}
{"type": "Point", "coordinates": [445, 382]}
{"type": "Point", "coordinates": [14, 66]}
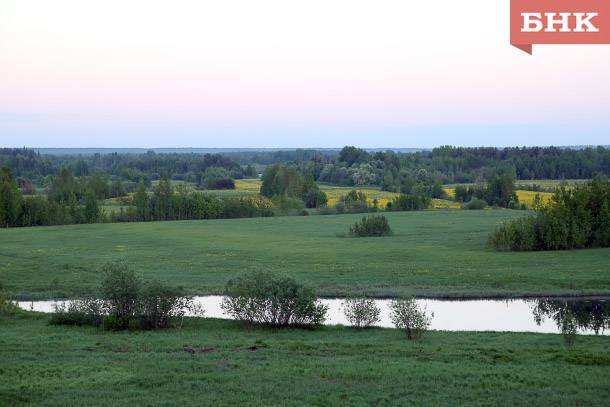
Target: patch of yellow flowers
{"type": "Point", "coordinates": [526, 197]}
{"type": "Point", "coordinates": [334, 194]}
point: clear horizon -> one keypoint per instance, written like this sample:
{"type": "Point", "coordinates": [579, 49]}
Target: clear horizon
{"type": "Point", "coordinates": [271, 74]}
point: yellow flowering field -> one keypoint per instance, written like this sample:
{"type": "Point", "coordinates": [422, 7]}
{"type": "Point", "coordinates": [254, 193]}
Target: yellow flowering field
{"type": "Point", "coordinates": [334, 193]}
{"type": "Point", "coordinates": [526, 197]}
{"type": "Point", "coordinates": [248, 185]}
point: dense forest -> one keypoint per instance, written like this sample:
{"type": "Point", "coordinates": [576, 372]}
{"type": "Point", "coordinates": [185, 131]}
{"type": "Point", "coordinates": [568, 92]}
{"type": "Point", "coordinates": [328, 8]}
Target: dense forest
{"type": "Point", "coordinates": [448, 165]}
{"type": "Point", "coordinates": [27, 163]}
{"type": "Point", "coordinates": [349, 166]}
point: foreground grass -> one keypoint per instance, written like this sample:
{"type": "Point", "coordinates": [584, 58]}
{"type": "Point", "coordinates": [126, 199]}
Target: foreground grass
{"type": "Point", "coordinates": [432, 253]}
{"type": "Point", "coordinates": [215, 362]}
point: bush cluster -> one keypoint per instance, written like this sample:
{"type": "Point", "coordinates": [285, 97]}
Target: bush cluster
{"type": "Point", "coordinates": [371, 226]}
{"type": "Point", "coordinates": [409, 202]}
{"type": "Point", "coordinates": [361, 312]}
{"type": "Point", "coordinates": [475, 203]}
{"type": "Point", "coordinates": [126, 302]}
{"type": "Point", "coordinates": [290, 182]}
{"type": "Point", "coordinates": [575, 218]}
{"type": "Point", "coordinates": [7, 307]}
{"type": "Point", "coordinates": [272, 299]}
{"type": "Point", "coordinates": [408, 316]}
{"type": "Point", "coordinates": [217, 178]}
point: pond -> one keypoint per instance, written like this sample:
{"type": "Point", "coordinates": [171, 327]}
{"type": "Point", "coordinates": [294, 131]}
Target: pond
{"type": "Point", "coordinates": [591, 316]}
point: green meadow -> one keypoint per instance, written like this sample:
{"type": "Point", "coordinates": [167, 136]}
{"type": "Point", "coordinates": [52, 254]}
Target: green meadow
{"type": "Point", "coordinates": [432, 253]}
{"type": "Point", "coordinates": [216, 362]}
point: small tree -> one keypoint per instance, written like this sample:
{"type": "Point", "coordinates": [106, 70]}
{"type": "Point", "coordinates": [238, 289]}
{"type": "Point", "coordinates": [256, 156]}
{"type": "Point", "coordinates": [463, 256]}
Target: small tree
{"type": "Point", "coordinates": [142, 202]}
{"type": "Point", "coordinates": [407, 315]}
{"type": "Point", "coordinates": [7, 307]}
{"type": "Point", "coordinates": [121, 290]}
{"type": "Point", "coordinates": [159, 304]}
{"type": "Point", "coordinates": [569, 330]}
{"type": "Point", "coordinates": [92, 210]}
{"type": "Point", "coordinates": [361, 312]}
{"type": "Point", "coordinates": [217, 178]}
{"type": "Point", "coordinates": [10, 199]}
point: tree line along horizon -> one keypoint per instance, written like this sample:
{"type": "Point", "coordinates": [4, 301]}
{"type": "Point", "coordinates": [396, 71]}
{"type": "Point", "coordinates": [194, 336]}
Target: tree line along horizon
{"type": "Point", "coordinates": [38, 189]}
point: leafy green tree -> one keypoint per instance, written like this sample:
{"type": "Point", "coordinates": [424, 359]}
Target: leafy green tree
{"type": "Point", "coordinates": [500, 191]}
{"type": "Point", "coordinates": [117, 189]}
{"type": "Point", "coordinates": [162, 200]}
{"type": "Point", "coordinates": [10, 199]}
{"type": "Point", "coordinates": [92, 210]}
{"type": "Point", "coordinates": [142, 202]}
{"type": "Point", "coordinates": [250, 171]}
{"type": "Point", "coordinates": [353, 155]}
{"type": "Point", "coordinates": [315, 198]}
{"type": "Point", "coordinates": [463, 193]}
{"type": "Point", "coordinates": [575, 218]}
{"type": "Point", "coordinates": [217, 178]}
{"type": "Point", "coordinates": [63, 187]}
{"type": "Point", "coordinates": [281, 180]}
{"type": "Point", "coordinates": [98, 185]}
{"type": "Point", "coordinates": [409, 202]}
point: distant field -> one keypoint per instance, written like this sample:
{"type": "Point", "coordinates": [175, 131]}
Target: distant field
{"type": "Point", "coordinates": [436, 252]}
{"type": "Point", "coordinates": [526, 197]}
{"type": "Point", "coordinates": [551, 183]}
{"type": "Point", "coordinates": [334, 193]}
{"type": "Point", "coordinates": [228, 365]}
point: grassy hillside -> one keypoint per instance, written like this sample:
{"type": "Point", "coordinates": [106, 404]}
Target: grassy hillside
{"type": "Point", "coordinates": [214, 362]}
{"type": "Point", "coordinates": [440, 252]}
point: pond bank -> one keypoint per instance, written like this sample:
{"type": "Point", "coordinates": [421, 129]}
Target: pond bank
{"type": "Point", "coordinates": [539, 315]}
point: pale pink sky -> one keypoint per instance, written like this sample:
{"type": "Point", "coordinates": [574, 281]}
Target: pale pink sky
{"type": "Point", "coordinates": [282, 73]}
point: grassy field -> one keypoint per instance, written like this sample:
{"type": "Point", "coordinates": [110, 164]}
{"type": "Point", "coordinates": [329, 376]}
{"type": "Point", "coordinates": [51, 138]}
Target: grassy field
{"type": "Point", "coordinates": [215, 362]}
{"type": "Point", "coordinates": [432, 253]}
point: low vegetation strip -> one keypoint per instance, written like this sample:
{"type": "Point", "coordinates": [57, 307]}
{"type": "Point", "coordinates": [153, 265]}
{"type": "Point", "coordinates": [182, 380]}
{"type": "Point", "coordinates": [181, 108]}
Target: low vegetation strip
{"type": "Point", "coordinates": [216, 362]}
{"type": "Point", "coordinates": [432, 253]}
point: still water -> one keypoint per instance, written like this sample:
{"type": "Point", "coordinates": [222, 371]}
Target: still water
{"type": "Point", "coordinates": [518, 315]}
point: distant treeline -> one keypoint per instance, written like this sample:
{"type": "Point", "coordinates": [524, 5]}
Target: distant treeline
{"type": "Point", "coordinates": [350, 167]}
{"type": "Point", "coordinates": [131, 167]}
{"type": "Point", "coordinates": [74, 201]}
{"type": "Point", "coordinates": [448, 165]}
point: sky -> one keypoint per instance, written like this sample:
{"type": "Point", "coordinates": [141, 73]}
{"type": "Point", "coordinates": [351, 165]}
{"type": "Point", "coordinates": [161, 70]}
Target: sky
{"type": "Point", "coordinates": [281, 73]}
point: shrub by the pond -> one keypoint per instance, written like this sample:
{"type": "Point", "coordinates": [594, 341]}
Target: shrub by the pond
{"type": "Point", "coordinates": [569, 330]}
{"type": "Point", "coordinates": [475, 203]}
{"type": "Point", "coordinates": [89, 311]}
{"type": "Point", "coordinates": [272, 299]}
{"type": "Point", "coordinates": [409, 317]}
{"type": "Point", "coordinates": [121, 290]}
{"type": "Point", "coordinates": [361, 312]}
{"type": "Point", "coordinates": [7, 308]}
{"type": "Point", "coordinates": [126, 302]}
{"type": "Point", "coordinates": [371, 226]}
{"type": "Point", "coordinates": [159, 304]}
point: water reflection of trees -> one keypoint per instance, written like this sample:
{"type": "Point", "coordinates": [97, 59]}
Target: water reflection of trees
{"type": "Point", "coordinates": [593, 315]}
